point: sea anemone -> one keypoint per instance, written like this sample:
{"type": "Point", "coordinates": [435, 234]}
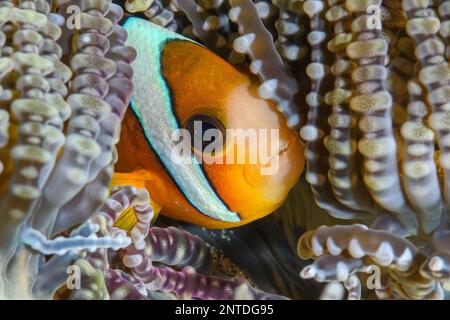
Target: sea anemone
{"type": "Point", "coordinates": [365, 83]}
{"type": "Point", "coordinates": [62, 101]}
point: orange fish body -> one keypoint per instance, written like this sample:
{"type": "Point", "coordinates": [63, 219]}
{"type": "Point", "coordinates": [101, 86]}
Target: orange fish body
{"type": "Point", "coordinates": [188, 85]}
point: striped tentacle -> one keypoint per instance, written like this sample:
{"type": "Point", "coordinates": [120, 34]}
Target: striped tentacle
{"type": "Point", "coordinates": [292, 28]}
{"type": "Point", "coordinates": [205, 25]}
{"type": "Point", "coordinates": [87, 146]}
{"type": "Point", "coordinates": [7, 125]}
{"type": "Point", "coordinates": [290, 31]}
{"type": "Point", "coordinates": [347, 185]}
{"type": "Point", "coordinates": [155, 11]}
{"type": "Point", "coordinates": [423, 27]}
{"type": "Point", "coordinates": [420, 176]}
{"type": "Point", "coordinates": [317, 128]}
{"type": "Point", "coordinates": [401, 62]}
{"type": "Point", "coordinates": [444, 30]}
{"type": "Point", "coordinates": [38, 115]}
{"type": "Point", "coordinates": [373, 105]}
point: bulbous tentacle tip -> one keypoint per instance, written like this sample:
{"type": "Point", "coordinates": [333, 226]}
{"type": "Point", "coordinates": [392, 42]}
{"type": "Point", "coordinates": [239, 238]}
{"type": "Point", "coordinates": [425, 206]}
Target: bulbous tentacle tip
{"type": "Point", "coordinates": [304, 246]}
{"type": "Point", "coordinates": [437, 267]}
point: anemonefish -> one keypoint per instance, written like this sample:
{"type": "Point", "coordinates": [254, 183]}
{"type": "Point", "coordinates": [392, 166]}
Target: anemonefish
{"type": "Point", "coordinates": [179, 82]}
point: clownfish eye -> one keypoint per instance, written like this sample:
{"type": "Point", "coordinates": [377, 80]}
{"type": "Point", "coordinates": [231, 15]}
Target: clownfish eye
{"type": "Point", "coordinates": [207, 134]}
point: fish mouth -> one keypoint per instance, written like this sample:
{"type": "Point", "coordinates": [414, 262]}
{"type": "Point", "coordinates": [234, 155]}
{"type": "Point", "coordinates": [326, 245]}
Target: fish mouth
{"type": "Point", "coordinates": [282, 150]}
{"type": "Point", "coordinates": [270, 173]}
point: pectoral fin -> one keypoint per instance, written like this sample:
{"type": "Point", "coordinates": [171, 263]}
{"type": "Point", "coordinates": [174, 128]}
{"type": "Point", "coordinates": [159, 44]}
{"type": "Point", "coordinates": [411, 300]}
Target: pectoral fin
{"type": "Point", "coordinates": [136, 179]}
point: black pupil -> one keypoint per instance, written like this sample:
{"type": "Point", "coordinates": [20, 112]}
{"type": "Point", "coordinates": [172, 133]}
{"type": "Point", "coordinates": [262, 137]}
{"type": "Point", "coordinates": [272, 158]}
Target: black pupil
{"type": "Point", "coordinates": [198, 125]}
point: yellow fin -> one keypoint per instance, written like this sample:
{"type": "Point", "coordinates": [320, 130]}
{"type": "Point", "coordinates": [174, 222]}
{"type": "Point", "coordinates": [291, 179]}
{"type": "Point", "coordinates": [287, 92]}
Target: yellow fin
{"type": "Point", "coordinates": [137, 179]}
{"type": "Point", "coordinates": [127, 220]}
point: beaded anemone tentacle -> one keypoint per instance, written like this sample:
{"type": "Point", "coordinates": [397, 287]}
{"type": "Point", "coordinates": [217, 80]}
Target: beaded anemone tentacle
{"type": "Point", "coordinates": [342, 142]}
{"type": "Point", "coordinates": [61, 108]}
{"type": "Point", "coordinates": [397, 108]}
